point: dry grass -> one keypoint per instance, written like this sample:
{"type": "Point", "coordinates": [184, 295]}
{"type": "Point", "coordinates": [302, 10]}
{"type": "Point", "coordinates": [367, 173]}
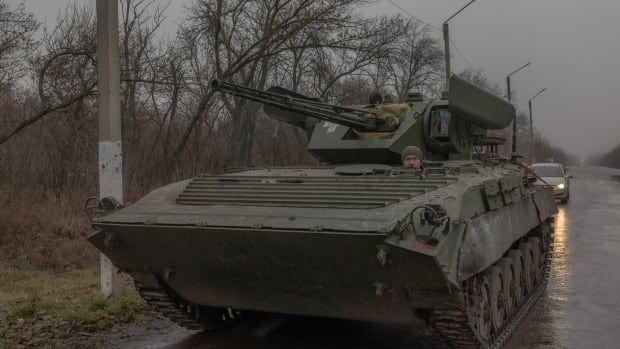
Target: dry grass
{"type": "Point", "coordinates": [39, 307]}
{"type": "Point", "coordinates": [39, 231]}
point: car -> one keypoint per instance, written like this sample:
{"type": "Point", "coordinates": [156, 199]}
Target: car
{"type": "Point", "coordinates": [554, 174]}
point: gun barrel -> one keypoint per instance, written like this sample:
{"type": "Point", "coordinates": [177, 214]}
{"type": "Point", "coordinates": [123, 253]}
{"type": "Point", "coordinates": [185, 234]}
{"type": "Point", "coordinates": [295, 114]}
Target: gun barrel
{"type": "Point", "coordinates": [347, 116]}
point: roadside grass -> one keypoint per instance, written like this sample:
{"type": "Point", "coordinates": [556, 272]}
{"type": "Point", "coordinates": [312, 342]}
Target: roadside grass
{"type": "Point", "coordinates": [38, 307]}
{"type": "Point", "coordinates": [39, 231]}
{"type": "Point", "coordinates": [49, 283]}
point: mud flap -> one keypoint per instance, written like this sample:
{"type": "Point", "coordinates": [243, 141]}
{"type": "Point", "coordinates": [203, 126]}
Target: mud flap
{"type": "Point", "coordinates": [489, 235]}
{"type": "Point", "coordinates": [544, 201]}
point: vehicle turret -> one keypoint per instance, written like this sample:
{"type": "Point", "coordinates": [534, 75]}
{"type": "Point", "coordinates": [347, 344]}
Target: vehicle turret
{"type": "Point", "coordinates": [445, 128]}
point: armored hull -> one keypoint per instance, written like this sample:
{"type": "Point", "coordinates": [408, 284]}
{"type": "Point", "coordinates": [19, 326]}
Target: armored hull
{"type": "Point", "coordinates": [464, 245]}
{"type": "Point", "coordinates": [361, 242]}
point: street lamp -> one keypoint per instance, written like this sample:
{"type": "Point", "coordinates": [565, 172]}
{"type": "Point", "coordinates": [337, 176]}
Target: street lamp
{"type": "Point", "coordinates": [514, 122]}
{"type": "Point", "coordinates": [532, 148]}
{"type": "Point", "coordinates": [446, 41]}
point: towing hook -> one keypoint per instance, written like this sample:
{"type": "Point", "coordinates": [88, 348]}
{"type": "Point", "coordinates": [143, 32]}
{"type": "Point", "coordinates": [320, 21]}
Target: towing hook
{"type": "Point", "coordinates": [96, 207]}
{"type": "Point", "coordinates": [433, 215]}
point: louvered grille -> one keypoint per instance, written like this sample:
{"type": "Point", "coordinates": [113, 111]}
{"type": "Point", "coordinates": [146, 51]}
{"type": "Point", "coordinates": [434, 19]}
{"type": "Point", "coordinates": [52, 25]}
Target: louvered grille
{"type": "Point", "coordinates": [337, 192]}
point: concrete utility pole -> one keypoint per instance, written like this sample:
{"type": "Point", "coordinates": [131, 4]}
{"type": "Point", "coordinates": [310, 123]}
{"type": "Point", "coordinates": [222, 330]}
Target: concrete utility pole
{"type": "Point", "coordinates": [532, 148]}
{"type": "Point", "coordinates": [513, 155]}
{"type": "Point", "coordinates": [446, 43]}
{"type": "Point", "coordinates": [110, 149]}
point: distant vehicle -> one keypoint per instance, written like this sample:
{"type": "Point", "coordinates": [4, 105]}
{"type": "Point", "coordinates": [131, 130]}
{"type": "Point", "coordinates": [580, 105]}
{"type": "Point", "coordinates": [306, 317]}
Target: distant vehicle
{"type": "Point", "coordinates": [555, 174]}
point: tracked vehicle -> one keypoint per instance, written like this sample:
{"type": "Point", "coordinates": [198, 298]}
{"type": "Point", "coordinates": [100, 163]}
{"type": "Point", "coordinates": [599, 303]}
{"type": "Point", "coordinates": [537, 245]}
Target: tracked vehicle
{"type": "Point", "coordinates": [463, 244]}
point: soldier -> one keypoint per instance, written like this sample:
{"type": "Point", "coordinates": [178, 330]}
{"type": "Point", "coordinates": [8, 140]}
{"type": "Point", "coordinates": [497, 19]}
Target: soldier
{"type": "Point", "coordinates": [412, 158]}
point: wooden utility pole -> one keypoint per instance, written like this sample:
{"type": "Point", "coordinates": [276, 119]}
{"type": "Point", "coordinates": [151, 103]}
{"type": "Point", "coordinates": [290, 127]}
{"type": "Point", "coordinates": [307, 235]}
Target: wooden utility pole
{"type": "Point", "coordinates": [110, 148]}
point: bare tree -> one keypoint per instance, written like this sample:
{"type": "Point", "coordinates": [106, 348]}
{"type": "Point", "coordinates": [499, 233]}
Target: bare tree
{"type": "Point", "coordinates": [477, 77]}
{"type": "Point", "coordinates": [140, 21]}
{"type": "Point", "coordinates": [66, 76]}
{"type": "Point", "coordinates": [366, 41]}
{"type": "Point", "coordinates": [65, 67]}
{"type": "Point", "coordinates": [414, 62]}
{"type": "Point", "coordinates": [17, 28]}
{"type": "Point", "coordinates": [608, 159]}
{"type": "Point", "coordinates": [243, 35]}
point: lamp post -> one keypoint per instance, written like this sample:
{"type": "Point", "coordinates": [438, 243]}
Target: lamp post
{"type": "Point", "coordinates": [513, 155]}
{"type": "Point", "coordinates": [446, 41]}
{"type": "Point", "coordinates": [532, 148]}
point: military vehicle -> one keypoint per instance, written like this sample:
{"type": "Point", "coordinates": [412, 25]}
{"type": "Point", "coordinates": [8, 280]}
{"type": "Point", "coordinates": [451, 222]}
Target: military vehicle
{"type": "Point", "coordinates": [462, 244]}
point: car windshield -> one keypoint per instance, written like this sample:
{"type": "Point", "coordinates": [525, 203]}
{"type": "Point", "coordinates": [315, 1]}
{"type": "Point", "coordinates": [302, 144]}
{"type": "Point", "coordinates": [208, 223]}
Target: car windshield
{"type": "Point", "coordinates": [547, 171]}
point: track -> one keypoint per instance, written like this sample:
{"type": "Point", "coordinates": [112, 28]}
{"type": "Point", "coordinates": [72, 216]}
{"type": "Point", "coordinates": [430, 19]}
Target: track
{"type": "Point", "coordinates": [458, 328]}
{"type": "Point", "coordinates": [173, 307]}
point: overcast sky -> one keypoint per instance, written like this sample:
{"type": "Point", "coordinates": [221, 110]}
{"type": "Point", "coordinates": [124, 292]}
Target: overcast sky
{"type": "Point", "coordinates": [574, 46]}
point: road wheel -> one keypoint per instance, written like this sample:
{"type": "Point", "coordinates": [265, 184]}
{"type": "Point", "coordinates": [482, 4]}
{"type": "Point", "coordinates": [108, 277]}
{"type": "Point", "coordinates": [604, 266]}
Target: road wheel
{"type": "Point", "coordinates": [546, 239]}
{"type": "Point", "coordinates": [518, 264]}
{"type": "Point", "coordinates": [496, 297]}
{"type": "Point", "coordinates": [509, 284]}
{"type": "Point", "coordinates": [480, 306]}
{"type": "Point", "coordinates": [527, 282]}
{"type": "Point", "coordinates": [537, 260]}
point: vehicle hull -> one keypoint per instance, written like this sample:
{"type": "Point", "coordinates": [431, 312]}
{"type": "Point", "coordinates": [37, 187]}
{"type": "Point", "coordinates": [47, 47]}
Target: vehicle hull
{"type": "Point", "coordinates": [297, 272]}
{"type": "Point", "coordinates": [383, 246]}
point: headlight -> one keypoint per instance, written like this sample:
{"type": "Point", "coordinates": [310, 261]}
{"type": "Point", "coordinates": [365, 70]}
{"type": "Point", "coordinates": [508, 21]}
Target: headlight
{"type": "Point", "coordinates": [561, 186]}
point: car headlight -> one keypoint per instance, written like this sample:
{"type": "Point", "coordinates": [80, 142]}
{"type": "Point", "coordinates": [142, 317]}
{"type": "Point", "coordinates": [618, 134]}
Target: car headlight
{"type": "Point", "coordinates": [561, 186]}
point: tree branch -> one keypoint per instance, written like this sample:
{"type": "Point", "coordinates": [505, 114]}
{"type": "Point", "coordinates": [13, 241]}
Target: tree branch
{"type": "Point", "coordinates": [34, 118]}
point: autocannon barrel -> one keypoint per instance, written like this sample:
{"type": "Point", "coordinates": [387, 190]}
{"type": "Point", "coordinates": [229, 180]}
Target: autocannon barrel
{"type": "Point", "coordinates": [298, 106]}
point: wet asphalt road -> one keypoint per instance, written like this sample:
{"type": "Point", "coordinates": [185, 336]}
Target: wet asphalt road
{"type": "Point", "coordinates": [581, 308]}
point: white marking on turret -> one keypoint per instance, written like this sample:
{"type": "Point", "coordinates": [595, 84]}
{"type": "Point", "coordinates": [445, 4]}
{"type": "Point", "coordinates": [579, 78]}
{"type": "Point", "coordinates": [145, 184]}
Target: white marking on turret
{"type": "Point", "coordinates": [330, 126]}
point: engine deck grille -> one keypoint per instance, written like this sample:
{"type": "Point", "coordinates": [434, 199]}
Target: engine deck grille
{"type": "Point", "coordinates": [336, 192]}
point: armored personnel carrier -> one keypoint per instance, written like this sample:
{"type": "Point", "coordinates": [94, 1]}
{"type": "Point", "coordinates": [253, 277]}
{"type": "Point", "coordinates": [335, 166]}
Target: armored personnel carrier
{"type": "Point", "coordinates": [462, 244]}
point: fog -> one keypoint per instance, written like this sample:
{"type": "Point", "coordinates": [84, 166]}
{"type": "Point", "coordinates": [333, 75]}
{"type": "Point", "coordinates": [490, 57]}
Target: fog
{"type": "Point", "coordinates": [573, 45]}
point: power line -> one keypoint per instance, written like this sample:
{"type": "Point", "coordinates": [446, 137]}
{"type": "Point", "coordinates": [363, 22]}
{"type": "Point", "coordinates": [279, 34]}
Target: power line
{"type": "Point", "coordinates": [435, 27]}
{"type": "Point", "coordinates": [461, 54]}
{"type": "Point", "coordinates": [412, 16]}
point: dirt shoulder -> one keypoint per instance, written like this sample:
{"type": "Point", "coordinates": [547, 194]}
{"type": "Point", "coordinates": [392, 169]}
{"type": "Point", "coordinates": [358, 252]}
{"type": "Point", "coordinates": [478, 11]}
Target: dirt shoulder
{"type": "Point", "coordinates": [42, 308]}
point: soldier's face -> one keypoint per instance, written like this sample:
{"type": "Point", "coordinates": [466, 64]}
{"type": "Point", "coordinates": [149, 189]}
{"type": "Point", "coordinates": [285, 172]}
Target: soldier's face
{"type": "Point", "coordinates": [412, 162]}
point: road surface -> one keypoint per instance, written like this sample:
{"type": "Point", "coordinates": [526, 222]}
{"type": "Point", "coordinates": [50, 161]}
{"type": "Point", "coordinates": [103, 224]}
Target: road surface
{"type": "Point", "coordinates": [581, 308]}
